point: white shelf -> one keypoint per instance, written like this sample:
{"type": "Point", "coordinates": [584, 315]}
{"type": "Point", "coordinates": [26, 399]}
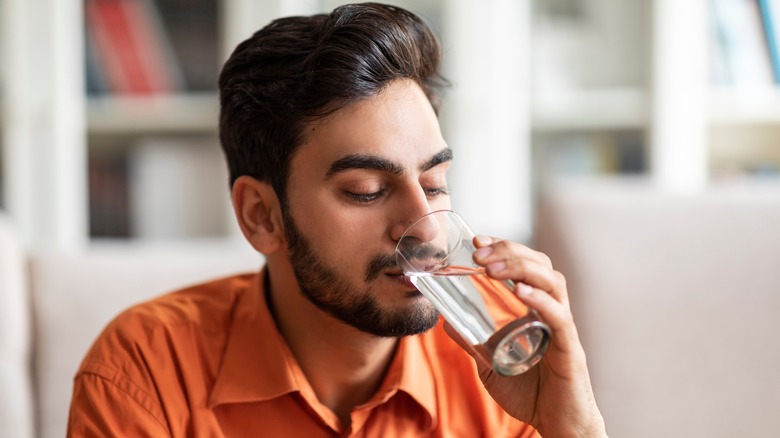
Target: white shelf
{"type": "Point", "coordinates": [176, 114]}
{"type": "Point", "coordinates": [609, 108]}
{"type": "Point", "coordinates": [628, 109]}
{"type": "Point", "coordinates": [744, 107]}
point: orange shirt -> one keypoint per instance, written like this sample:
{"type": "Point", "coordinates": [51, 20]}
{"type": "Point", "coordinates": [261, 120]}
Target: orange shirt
{"type": "Point", "coordinates": [208, 361]}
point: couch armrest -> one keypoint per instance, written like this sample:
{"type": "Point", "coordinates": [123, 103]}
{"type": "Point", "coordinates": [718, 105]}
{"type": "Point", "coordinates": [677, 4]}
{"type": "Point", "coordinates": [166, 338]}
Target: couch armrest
{"type": "Point", "coordinates": [16, 400]}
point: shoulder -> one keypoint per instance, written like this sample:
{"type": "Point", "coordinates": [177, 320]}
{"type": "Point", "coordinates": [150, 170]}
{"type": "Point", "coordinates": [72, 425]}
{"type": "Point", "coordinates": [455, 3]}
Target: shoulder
{"type": "Point", "coordinates": [205, 304]}
{"type": "Point", "coordinates": [159, 356]}
{"type": "Point", "coordinates": [155, 327]}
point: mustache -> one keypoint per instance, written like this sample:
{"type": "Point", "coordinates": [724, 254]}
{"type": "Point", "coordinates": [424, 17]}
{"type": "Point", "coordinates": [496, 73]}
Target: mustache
{"type": "Point", "coordinates": [382, 262]}
{"type": "Point", "coordinates": [423, 257]}
{"type": "Point", "coordinates": [379, 264]}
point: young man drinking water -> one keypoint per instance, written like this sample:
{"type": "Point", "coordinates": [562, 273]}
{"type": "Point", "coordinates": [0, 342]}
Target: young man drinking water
{"type": "Point", "coordinates": [329, 129]}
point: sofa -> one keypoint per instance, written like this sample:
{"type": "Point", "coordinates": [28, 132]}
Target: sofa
{"type": "Point", "coordinates": [677, 301]}
{"type": "Point", "coordinates": [676, 298]}
{"type": "Point", "coordinates": [54, 303]}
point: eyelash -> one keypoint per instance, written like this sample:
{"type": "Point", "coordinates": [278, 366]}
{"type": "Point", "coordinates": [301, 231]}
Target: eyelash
{"type": "Point", "coordinates": [365, 198]}
{"type": "Point", "coordinates": [437, 191]}
{"type": "Point", "coordinates": [368, 198]}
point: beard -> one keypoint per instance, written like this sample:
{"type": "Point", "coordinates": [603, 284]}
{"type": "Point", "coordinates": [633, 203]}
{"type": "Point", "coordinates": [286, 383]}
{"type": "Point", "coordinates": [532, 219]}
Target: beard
{"type": "Point", "coordinates": [353, 304]}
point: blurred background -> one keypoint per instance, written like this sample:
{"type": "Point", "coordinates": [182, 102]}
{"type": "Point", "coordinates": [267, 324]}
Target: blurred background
{"type": "Point", "coordinates": [109, 107]}
{"type": "Point", "coordinates": [635, 141]}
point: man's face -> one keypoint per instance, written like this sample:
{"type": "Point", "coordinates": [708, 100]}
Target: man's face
{"type": "Point", "coordinates": [360, 178]}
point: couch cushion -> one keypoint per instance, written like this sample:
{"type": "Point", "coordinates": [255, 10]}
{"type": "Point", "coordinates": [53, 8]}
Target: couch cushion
{"type": "Point", "coordinates": [77, 294]}
{"type": "Point", "coordinates": [16, 408]}
{"type": "Point", "coordinates": [677, 300]}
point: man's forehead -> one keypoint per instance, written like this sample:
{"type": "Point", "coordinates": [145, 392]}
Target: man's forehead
{"type": "Point", "coordinates": [397, 126]}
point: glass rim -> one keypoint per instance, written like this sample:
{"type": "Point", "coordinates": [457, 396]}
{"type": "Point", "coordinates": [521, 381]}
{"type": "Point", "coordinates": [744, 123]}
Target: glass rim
{"type": "Point", "coordinates": [441, 212]}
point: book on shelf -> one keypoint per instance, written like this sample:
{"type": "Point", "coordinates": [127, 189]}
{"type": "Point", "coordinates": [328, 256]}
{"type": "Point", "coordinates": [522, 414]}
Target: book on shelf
{"type": "Point", "coordinates": [128, 49]}
{"type": "Point", "coordinates": [159, 188]}
{"type": "Point", "coordinates": [96, 79]}
{"type": "Point", "coordinates": [576, 154]}
{"type": "Point", "coordinates": [192, 28]}
{"type": "Point", "coordinates": [2, 179]}
{"type": "Point", "coordinates": [178, 188]}
{"type": "Point", "coordinates": [109, 207]}
{"type": "Point", "coordinates": [770, 14]}
{"type": "Point", "coordinates": [741, 56]}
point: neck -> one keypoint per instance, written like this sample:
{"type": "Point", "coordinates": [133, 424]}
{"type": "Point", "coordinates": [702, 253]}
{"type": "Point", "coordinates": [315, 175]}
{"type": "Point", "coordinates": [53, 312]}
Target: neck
{"type": "Point", "coordinates": [343, 365]}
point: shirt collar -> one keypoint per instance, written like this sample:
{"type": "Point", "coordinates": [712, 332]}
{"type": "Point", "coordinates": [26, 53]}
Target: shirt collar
{"type": "Point", "coordinates": [411, 372]}
{"type": "Point", "coordinates": [258, 364]}
{"type": "Point", "coordinates": [254, 367]}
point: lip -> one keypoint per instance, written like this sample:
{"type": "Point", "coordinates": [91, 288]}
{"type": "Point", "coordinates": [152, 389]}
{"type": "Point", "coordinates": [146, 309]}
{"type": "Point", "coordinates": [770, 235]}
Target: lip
{"type": "Point", "coordinates": [402, 279]}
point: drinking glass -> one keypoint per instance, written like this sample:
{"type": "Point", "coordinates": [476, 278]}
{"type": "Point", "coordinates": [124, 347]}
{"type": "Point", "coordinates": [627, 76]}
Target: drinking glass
{"type": "Point", "coordinates": [435, 253]}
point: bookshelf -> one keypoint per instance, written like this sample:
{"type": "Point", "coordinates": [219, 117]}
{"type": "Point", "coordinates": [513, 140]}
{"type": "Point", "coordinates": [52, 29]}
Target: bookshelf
{"type": "Point", "coordinates": [566, 88]}
{"type": "Point", "coordinates": [611, 75]}
{"type": "Point", "coordinates": [151, 112]}
{"type": "Point", "coordinates": [591, 106]}
{"type": "Point", "coordinates": [195, 112]}
{"type": "Point", "coordinates": [123, 133]}
{"type": "Point", "coordinates": [70, 147]}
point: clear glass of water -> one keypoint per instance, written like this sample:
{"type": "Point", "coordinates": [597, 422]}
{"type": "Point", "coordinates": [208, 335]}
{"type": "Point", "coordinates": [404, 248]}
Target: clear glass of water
{"type": "Point", "coordinates": [435, 253]}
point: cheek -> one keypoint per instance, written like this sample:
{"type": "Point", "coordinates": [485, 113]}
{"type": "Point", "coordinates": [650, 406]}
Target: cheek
{"type": "Point", "coordinates": [343, 241]}
{"type": "Point", "coordinates": [441, 203]}
{"type": "Point", "coordinates": [336, 219]}
{"type": "Point", "coordinates": [345, 236]}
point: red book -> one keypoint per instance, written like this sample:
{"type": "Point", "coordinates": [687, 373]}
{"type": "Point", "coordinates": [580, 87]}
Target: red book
{"type": "Point", "coordinates": [154, 47]}
{"type": "Point", "coordinates": [132, 46]}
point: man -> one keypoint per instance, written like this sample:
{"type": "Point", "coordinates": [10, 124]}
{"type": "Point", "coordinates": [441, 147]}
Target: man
{"type": "Point", "coordinates": [329, 129]}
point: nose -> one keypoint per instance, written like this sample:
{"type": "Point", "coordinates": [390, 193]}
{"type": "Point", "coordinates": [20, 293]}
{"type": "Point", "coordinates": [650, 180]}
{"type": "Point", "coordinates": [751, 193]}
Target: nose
{"type": "Point", "coordinates": [423, 247]}
{"type": "Point", "coordinates": [424, 229]}
{"type": "Point", "coordinates": [410, 209]}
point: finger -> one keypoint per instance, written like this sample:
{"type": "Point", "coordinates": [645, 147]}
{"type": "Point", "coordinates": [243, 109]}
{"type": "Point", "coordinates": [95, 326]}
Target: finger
{"type": "Point", "coordinates": [534, 275]}
{"type": "Point", "coordinates": [500, 246]}
{"type": "Point", "coordinates": [557, 316]}
{"type": "Point", "coordinates": [503, 263]}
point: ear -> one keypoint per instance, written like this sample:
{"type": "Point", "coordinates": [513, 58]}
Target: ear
{"type": "Point", "coordinates": [258, 213]}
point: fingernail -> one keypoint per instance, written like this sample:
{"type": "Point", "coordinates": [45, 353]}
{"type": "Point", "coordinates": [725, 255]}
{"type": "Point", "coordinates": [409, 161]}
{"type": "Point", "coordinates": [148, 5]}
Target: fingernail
{"type": "Point", "coordinates": [484, 240]}
{"type": "Point", "coordinates": [483, 252]}
{"type": "Point", "coordinates": [496, 267]}
{"type": "Point", "coordinates": [524, 289]}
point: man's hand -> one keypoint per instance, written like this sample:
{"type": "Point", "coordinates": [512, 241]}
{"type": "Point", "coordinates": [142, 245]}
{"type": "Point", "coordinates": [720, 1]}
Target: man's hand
{"type": "Point", "coordinates": [556, 395]}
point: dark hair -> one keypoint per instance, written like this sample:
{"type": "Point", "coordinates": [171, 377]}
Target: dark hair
{"type": "Point", "coordinates": [300, 69]}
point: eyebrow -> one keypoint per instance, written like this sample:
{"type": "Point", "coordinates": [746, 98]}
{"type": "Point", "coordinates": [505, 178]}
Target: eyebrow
{"type": "Point", "coordinates": [372, 162]}
{"type": "Point", "coordinates": [442, 156]}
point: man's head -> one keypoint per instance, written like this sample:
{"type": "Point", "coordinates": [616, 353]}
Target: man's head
{"type": "Point", "coordinates": [300, 69]}
{"type": "Point", "coordinates": [330, 131]}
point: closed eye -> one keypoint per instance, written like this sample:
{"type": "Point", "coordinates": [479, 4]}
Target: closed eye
{"type": "Point", "coordinates": [365, 198]}
{"type": "Point", "coordinates": [436, 191]}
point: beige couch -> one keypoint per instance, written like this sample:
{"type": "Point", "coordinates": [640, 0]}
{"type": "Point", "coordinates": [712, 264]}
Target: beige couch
{"type": "Point", "coordinates": [53, 304]}
{"type": "Point", "coordinates": [677, 300]}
